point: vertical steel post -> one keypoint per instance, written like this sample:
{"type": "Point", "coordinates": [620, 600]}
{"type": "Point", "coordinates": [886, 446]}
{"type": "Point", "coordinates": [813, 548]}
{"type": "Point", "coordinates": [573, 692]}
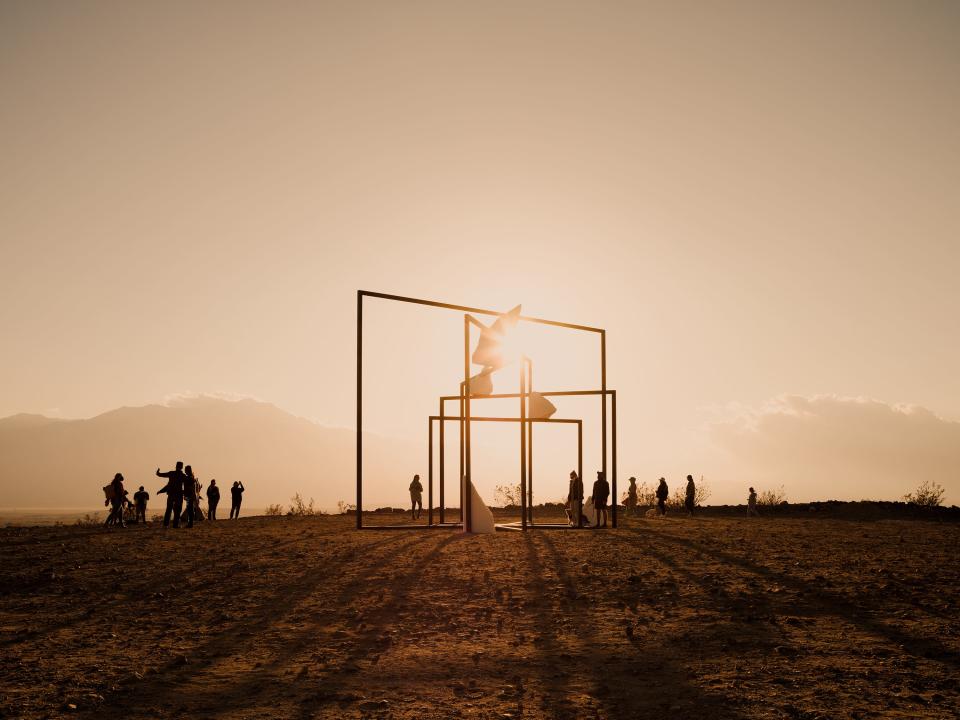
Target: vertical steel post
{"type": "Point", "coordinates": [462, 454]}
{"type": "Point", "coordinates": [529, 447]}
{"type": "Point", "coordinates": [613, 451]}
{"type": "Point", "coordinates": [467, 481]}
{"type": "Point", "coordinates": [579, 509]}
{"type": "Point", "coordinates": [603, 402]}
{"type": "Point", "coordinates": [430, 473]}
{"type": "Point", "coordinates": [523, 449]}
{"type": "Point", "coordinates": [359, 409]}
{"type": "Point", "coordinates": [442, 452]}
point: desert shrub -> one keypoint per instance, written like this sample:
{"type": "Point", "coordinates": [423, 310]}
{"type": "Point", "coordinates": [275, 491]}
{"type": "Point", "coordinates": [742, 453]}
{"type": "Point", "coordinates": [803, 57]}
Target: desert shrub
{"type": "Point", "coordinates": [273, 511]}
{"type": "Point", "coordinates": [345, 508]}
{"type": "Point", "coordinates": [508, 495]}
{"type": "Point", "coordinates": [772, 497]}
{"type": "Point", "coordinates": [89, 521]}
{"type": "Point", "coordinates": [928, 494]}
{"type": "Point", "coordinates": [156, 517]}
{"type": "Point", "coordinates": [299, 508]}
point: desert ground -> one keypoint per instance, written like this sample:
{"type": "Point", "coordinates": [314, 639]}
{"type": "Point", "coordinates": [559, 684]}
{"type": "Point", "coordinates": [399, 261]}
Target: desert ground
{"type": "Point", "coordinates": [711, 617]}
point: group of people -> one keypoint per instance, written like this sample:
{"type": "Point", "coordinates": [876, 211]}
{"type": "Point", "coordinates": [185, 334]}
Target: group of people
{"type": "Point", "coordinates": [661, 494]}
{"type": "Point", "coordinates": [182, 488]}
{"type": "Point", "coordinates": [596, 503]}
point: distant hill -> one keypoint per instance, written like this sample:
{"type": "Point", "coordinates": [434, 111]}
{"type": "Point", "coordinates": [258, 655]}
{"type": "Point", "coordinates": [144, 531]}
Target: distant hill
{"type": "Point", "coordinates": [64, 463]}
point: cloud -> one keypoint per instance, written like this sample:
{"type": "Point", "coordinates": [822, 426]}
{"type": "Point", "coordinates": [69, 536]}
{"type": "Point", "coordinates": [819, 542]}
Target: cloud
{"type": "Point", "coordinates": [832, 447]}
{"type": "Point", "coordinates": [188, 398]}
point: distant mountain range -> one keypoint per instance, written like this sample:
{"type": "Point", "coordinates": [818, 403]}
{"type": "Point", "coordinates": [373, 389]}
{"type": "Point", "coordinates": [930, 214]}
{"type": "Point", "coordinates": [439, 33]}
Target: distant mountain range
{"type": "Point", "coordinates": [46, 462]}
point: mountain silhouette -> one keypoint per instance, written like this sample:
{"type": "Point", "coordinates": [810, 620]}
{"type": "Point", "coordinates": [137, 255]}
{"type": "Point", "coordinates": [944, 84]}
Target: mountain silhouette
{"type": "Point", "coordinates": [65, 463]}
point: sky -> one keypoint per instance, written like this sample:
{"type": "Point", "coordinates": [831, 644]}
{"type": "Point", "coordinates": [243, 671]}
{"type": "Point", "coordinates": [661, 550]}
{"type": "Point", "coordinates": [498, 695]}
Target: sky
{"type": "Point", "coordinates": [759, 201]}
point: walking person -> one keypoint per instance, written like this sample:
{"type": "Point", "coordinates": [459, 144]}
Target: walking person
{"type": "Point", "coordinates": [690, 500]}
{"type": "Point", "coordinates": [663, 492]}
{"type": "Point", "coordinates": [118, 497]}
{"type": "Point", "coordinates": [213, 499]}
{"type": "Point", "coordinates": [752, 504]}
{"type": "Point", "coordinates": [236, 497]}
{"type": "Point", "coordinates": [174, 491]}
{"type": "Point", "coordinates": [601, 492]}
{"type": "Point", "coordinates": [575, 500]}
{"type": "Point", "coordinates": [416, 498]}
{"type": "Point", "coordinates": [140, 498]}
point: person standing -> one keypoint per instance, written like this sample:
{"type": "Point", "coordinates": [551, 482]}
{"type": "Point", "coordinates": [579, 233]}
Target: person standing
{"type": "Point", "coordinates": [416, 498]}
{"type": "Point", "coordinates": [213, 499]}
{"type": "Point", "coordinates": [575, 499]}
{"type": "Point", "coordinates": [140, 498]}
{"type": "Point", "coordinates": [236, 497]}
{"type": "Point", "coordinates": [190, 494]}
{"type": "Point", "coordinates": [691, 498]}
{"type": "Point", "coordinates": [174, 491]}
{"type": "Point", "coordinates": [632, 499]}
{"type": "Point", "coordinates": [601, 492]}
{"type": "Point", "coordinates": [117, 499]}
{"type": "Point", "coordinates": [752, 504]}
{"type": "Point", "coordinates": [663, 492]}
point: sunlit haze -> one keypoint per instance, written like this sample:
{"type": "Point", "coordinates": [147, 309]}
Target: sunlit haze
{"type": "Point", "coordinates": [759, 202]}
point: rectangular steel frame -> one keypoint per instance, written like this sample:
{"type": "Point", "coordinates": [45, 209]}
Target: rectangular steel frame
{"type": "Point", "coordinates": [464, 418]}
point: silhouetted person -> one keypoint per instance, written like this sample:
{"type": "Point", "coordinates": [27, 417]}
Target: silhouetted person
{"type": "Point", "coordinates": [663, 492]}
{"type": "Point", "coordinates": [632, 497]}
{"type": "Point", "coordinates": [190, 494]}
{"type": "Point", "coordinates": [140, 498]}
{"type": "Point", "coordinates": [213, 499]}
{"type": "Point", "coordinates": [690, 501]}
{"type": "Point", "coordinates": [236, 497]}
{"type": "Point", "coordinates": [752, 504]}
{"type": "Point", "coordinates": [601, 492]}
{"type": "Point", "coordinates": [575, 499]}
{"type": "Point", "coordinates": [416, 498]}
{"type": "Point", "coordinates": [174, 491]}
{"type": "Point", "coordinates": [118, 497]}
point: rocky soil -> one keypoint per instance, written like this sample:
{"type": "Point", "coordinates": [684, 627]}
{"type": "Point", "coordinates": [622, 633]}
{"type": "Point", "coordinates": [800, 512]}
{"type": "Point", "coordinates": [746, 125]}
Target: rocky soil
{"type": "Point", "coordinates": [305, 617]}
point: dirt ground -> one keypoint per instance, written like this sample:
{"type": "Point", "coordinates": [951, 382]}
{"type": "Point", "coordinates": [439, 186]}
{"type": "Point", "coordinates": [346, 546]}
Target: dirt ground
{"type": "Point", "coordinates": [307, 617]}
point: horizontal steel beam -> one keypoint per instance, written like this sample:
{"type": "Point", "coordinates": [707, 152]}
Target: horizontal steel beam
{"type": "Point", "coordinates": [479, 311]}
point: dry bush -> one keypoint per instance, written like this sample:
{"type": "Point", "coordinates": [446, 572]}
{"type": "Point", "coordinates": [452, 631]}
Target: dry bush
{"type": "Point", "coordinates": [273, 511]}
{"type": "Point", "coordinates": [508, 495]}
{"type": "Point", "coordinates": [772, 497]}
{"type": "Point", "coordinates": [90, 521]}
{"type": "Point", "coordinates": [928, 494]}
{"type": "Point", "coordinates": [343, 507]}
{"type": "Point", "coordinates": [299, 508]}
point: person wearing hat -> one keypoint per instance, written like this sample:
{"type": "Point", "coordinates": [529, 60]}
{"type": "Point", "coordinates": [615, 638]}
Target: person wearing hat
{"type": "Point", "coordinates": [117, 498]}
{"type": "Point", "coordinates": [752, 504]}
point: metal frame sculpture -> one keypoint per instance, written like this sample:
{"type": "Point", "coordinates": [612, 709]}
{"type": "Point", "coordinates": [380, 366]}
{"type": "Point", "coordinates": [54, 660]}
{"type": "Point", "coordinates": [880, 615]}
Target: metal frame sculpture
{"type": "Point", "coordinates": [464, 418]}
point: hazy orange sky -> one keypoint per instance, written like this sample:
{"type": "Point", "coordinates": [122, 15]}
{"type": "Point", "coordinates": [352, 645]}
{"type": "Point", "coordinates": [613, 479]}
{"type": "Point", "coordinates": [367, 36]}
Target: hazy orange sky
{"type": "Point", "coordinates": [759, 201]}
